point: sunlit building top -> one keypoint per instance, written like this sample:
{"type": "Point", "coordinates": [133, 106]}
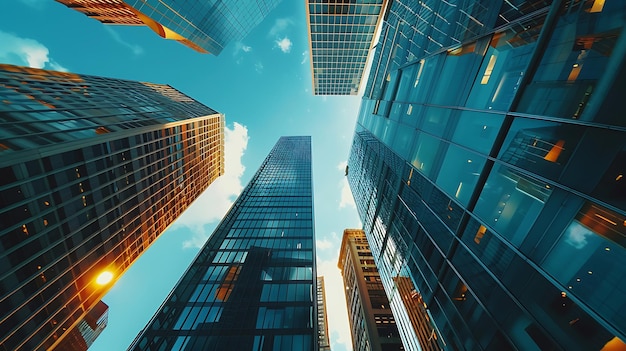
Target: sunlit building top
{"type": "Point", "coordinates": [341, 35]}
{"type": "Point", "coordinates": [92, 171]}
{"type": "Point", "coordinates": [205, 26]}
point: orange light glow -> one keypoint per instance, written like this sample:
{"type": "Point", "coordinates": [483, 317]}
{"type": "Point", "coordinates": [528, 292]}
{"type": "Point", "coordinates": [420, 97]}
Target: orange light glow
{"type": "Point", "coordinates": [480, 234]}
{"type": "Point", "coordinates": [573, 74]}
{"type": "Point", "coordinates": [598, 6]}
{"type": "Point", "coordinates": [104, 278]}
{"type": "Point", "coordinates": [556, 150]}
{"type": "Point", "coordinates": [614, 344]}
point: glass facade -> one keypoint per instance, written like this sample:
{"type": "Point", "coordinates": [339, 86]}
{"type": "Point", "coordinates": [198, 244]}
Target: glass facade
{"type": "Point", "coordinates": [205, 26]}
{"type": "Point", "coordinates": [341, 35]}
{"type": "Point", "coordinates": [92, 170]}
{"type": "Point", "coordinates": [487, 167]}
{"type": "Point", "coordinates": [252, 286]}
{"type": "Point", "coordinates": [372, 324]}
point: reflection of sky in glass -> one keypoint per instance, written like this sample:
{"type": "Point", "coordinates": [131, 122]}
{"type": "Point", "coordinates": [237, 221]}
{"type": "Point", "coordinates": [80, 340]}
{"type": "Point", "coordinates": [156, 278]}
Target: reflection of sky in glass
{"type": "Point", "coordinates": [592, 268]}
{"type": "Point", "coordinates": [567, 259]}
{"type": "Point", "coordinates": [576, 235]}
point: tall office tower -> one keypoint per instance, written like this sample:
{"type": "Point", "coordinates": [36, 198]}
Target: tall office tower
{"type": "Point", "coordinates": [82, 336]}
{"type": "Point", "coordinates": [252, 285]}
{"type": "Point", "coordinates": [92, 171]}
{"type": "Point", "coordinates": [341, 35]}
{"type": "Point", "coordinates": [371, 322]}
{"type": "Point", "coordinates": [205, 26]}
{"type": "Point", "coordinates": [488, 169]}
{"type": "Point", "coordinates": [323, 340]}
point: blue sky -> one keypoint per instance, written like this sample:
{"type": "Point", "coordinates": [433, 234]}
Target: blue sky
{"type": "Point", "coordinates": [263, 86]}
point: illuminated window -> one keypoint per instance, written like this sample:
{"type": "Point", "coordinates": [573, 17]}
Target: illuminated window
{"type": "Point", "coordinates": [489, 69]}
{"type": "Point", "coordinates": [479, 234]}
{"type": "Point", "coordinates": [460, 291]}
{"type": "Point", "coordinates": [597, 6]}
{"type": "Point", "coordinates": [555, 151]}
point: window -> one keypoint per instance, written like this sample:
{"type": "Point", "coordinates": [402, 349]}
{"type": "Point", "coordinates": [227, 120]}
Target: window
{"type": "Point", "coordinates": [510, 202]}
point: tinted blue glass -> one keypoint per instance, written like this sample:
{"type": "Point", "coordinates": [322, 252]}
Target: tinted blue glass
{"type": "Point", "coordinates": [477, 130]}
{"type": "Point", "coordinates": [510, 202]}
{"type": "Point", "coordinates": [594, 249]}
{"type": "Point", "coordinates": [424, 152]}
{"type": "Point", "coordinates": [459, 173]}
{"type": "Point", "coordinates": [261, 278]}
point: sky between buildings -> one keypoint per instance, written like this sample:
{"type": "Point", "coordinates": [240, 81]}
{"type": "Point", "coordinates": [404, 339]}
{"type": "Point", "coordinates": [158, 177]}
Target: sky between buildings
{"type": "Point", "coordinates": [263, 86]}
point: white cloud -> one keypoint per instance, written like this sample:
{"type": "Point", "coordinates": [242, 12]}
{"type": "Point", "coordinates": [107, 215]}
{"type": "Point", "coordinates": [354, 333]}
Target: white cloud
{"type": "Point", "coordinates": [136, 49]}
{"type": "Point", "coordinates": [342, 165]}
{"type": "Point", "coordinates": [239, 47]}
{"type": "Point", "coordinates": [26, 52]}
{"type": "Point", "coordinates": [258, 67]}
{"type": "Point", "coordinates": [284, 44]}
{"type": "Point", "coordinates": [213, 204]}
{"type": "Point", "coordinates": [338, 324]}
{"type": "Point", "coordinates": [347, 200]}
{"type": "Point", "coordinates": [346, 195]}
{"type": "Point", "coordinates": [56, 67]}
{"type": "Point", "coordinates": [279, 26]}
{"type": "Point", "coordinates": [324, 244]}
{"type": "Point", "coordinates": [305, 57]}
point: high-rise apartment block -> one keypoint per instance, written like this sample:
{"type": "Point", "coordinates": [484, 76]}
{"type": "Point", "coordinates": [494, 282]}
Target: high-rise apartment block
{"type": "Point", "coordinates": [252, 286]}
{"type": "Point", "coordinates": [372, 324]}
{"type": "Point", "coordinates": [205, 26]}
{"type": "Point", "coordinates": [488, 167]}
{"type": "Point", "coordinates": [92, 170]}
{"type": "Point", "coordinates": [323, 337]}
{"type": "Point", "coordinates": [341, 35]}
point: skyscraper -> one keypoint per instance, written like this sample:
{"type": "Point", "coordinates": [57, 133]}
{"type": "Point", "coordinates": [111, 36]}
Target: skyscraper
{"type": "Point", "coordinates": [252, 286]}
{"type": "Point", "coordinates": [488, 169]}
{"type": "Point", "coordinates": [92, 170]}
{"type": "Point", "coordinates": [341, 34]}
{"type": "Point", "coordinates": [205, 26]}
{"type": "Point", "coordinates": [372, 324]}
{"type": "Point", "coordinates": [323, 337]}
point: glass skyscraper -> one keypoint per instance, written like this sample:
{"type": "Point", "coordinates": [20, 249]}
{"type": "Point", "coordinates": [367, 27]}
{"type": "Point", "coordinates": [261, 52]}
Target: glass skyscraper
{"type": "Point", "coordinates": [203, 25]}
{"type": "Point", "coordinates": [341, 35]}
{"type": "Point", "coordinates": [252, 285]}
{"type": "Point", "coordinates": [92, 171]}
{"type": "Point", "coordinates": [488, 169]}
